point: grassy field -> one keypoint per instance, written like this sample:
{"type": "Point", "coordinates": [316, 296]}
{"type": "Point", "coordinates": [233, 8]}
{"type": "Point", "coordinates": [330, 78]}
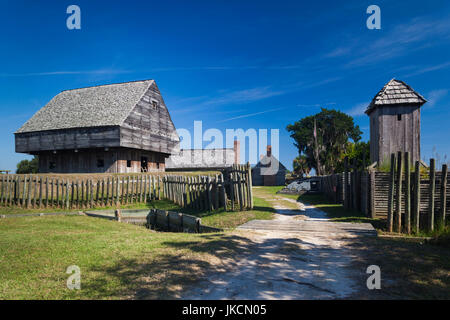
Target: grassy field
{"type": "Point", "coordinates": [117, 260]}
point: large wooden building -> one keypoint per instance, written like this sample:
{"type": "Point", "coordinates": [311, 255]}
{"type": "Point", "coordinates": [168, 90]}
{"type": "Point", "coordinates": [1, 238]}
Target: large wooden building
{"type": "Point", "coordinates": [395, 122]}
{"type": "Point", "coordinates": [114, 128]}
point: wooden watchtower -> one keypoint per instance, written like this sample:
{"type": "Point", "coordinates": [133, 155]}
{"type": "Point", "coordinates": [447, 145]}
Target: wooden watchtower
{"type": "Point", "coordinates": [395, 122]}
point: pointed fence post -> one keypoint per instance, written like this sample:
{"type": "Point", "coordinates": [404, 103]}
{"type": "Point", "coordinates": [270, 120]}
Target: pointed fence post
{"type": "Point", "coordinates": [408, 194]}
{"type": "Point", "coordinates": [431, 194]}
{"type": "Point", "coordinates": [390, 217]}
{"type": "Point", "coordinates": [398, 192]}
{"type": "Point", "coordinates": [443, 197]}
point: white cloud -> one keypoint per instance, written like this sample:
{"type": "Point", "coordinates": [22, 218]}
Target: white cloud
{"type": "Point", "coordinates": [358, 110]}
{"type": "Point", "coordinates": [436, 95]}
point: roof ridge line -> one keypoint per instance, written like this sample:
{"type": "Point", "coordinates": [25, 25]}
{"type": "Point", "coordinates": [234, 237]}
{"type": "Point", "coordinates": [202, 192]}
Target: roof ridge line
{"type": "Point", "coordinates": [105, 85]}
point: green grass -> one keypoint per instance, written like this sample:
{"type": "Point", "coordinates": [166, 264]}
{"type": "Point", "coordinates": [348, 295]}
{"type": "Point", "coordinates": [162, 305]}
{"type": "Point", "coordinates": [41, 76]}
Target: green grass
{"type": "Point", "coordinates": [410, 269]}
{"type": "Point", "coordinates": [231, 219]}
{"type": "Point", "coordinates": [117, 260]}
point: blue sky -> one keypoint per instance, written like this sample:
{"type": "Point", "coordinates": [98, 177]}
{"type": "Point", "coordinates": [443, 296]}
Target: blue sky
{"type": "Point", "coordinates": [231, 64]}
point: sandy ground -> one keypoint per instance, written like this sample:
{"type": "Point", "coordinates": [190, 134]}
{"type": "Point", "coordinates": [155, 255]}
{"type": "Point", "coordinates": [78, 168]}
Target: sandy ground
{"type": "Point", "coordinates": [298, 255]}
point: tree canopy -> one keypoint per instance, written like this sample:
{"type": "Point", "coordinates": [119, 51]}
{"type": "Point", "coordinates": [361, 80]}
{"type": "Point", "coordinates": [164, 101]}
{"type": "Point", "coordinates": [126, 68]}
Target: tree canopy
{"type": "Point", "coordinates": [301, 166]}
{"type": "Point", "coordinates": [28, 166]}
{"type": "Point", "coordinates": [325, 150]}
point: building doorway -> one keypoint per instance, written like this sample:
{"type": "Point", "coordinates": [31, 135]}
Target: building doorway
{"type": "Point", "coordinates": [144, 164]}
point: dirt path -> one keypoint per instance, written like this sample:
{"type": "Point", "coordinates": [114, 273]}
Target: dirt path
{"type": "Point", "coordinates": [298, 255]}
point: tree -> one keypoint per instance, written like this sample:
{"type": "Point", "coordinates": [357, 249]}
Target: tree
{"type": "Point", "coordinates": [28, 166]}
{"type": "Point", "coordinates": [356, 152]}
{"type": "Point", "coordinates": [323, 139]}
{"type": "Point", "coordinates": [301, 166]}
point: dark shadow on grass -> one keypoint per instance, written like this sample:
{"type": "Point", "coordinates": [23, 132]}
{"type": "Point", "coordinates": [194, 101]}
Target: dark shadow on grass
{"type": "Point", "coordinates": [409, 269]}
{"type": "Point", "coordinates": [163, 276]}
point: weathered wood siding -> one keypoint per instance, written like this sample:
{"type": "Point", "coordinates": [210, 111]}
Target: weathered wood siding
{"type": "Point", "coordinates": [148, 128]}
{"type": "Point", "coordinates": [389, 135]}
{"type": "Point", "coordinates": [85, 161]}
{"type": "Point", "coordinates": [67, 139]}
{"type": "Point", "coordinates": [278, 179]}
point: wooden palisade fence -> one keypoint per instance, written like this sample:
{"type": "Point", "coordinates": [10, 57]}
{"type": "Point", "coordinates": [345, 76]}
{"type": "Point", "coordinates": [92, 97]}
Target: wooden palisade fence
{"type": "Point", "coordinates": [417, 200]}
{"type": "Point", "coordinates": [36, 191]}
{"type": "Point", "coordinates": [230, 190]}
{"type": "Point", "coordinates": [409, 202]}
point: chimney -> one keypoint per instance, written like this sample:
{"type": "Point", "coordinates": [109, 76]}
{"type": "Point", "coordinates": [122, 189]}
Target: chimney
{"type": "Point", "coordinates": [237, 151]}
{"type": "Point", "coordinates": [269, 151]}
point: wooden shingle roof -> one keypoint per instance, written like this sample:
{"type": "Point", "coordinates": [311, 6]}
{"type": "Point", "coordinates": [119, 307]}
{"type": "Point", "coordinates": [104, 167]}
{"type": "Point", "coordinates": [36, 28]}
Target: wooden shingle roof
{"type": "Point", "coordinates": [270, 164]}
{"type": "Point", "coordinates": [106, 105]}
{"type": "Point", "coordinates": [396, 92]}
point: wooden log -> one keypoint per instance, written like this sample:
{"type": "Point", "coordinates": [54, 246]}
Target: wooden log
{"type": "Point", "coordinates": [112, 194]}
{"type": "Point", "coordinates": [443, 196]}
{"type": "Point", "coordinates": [408, 194]}
{"type": "Point", "coordinates": [120, 193]}
{"type": "Point", "coordinates": [40, 192]}
{"type": "Point", "coordinates": [82, 197]}
{"type": "Point", "coordinates": [24, 190]}
{"type": "Point", "coordinates": [249, 185]}
{"type": "Point", "coordinates": [58, 204]}
{"type": "Point", "coordinates": [208, 194]}
{"type": "Point", "coordinates": [30, 187]}
{"type": "Point", "coordinates": [159, 188]}
{"type": "Point", "coordinates": [67, 195]}
{"type": "Point", "coordinates": [205, 193]}
{"type": "Point", "coordinates": [390, 217]}
{"type": "Point", "coordinates": [8, 190]}
{"type": "Point", "coordinates": [5, 182]}
{"type": "Point", "coordinates": [145, 189]}
{"type": "Point", "coordinates": [117, 191]}
{"type": "Point", "coordinates": [97, 193]}
{"type": "Point", "coordinates": [431, 194]}
{"type": "Point", "coordinates": [232, 190]}
{"type": "Point", "coordinates": [107, 191]}
{"type": "Point", "coordinates": [216, 192]}
{"type": "Point", "coordinates": [77, 186]}
{"type": "Point", "coordinates": [46, 192]}
{"type": "Point", "coordinates": [72, 198]}
{"type": "Point", "coordinates": [16, 191]}
{"type": "Point", "coordinates": [128, 190]}
{"type": "Point", "coordinates": [61, 191]}
{"type": "Point", "coordinates": [373, 210]}
{"type": "Point", "coordinates": [239, 189]}
{"type": "Point", "coordinates": [399, 192]}
{"type": "Point", "coordinates": [141, 188]}
{"type": "Point", "coordinates": [154, 187]}
{"type": "Point", "coordinates": [91, 197]}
